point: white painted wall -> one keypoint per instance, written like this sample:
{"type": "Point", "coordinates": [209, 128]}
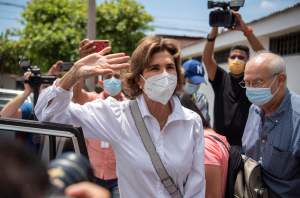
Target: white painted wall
{"type": "Point", "coordinates": [293, 71]}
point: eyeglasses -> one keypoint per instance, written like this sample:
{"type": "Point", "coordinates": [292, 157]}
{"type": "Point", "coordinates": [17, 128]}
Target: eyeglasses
{"type": "Point", "coordinates": [256, 83]}
{"type": "Point", "coordinates": [238, 57]}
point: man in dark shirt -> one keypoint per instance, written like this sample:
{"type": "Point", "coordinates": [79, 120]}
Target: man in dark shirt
{"type": "Point", "coordinates": [231, 105]}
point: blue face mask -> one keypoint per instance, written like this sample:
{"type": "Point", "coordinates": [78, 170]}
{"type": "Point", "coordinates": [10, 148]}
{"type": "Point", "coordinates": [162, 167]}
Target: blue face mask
{"type": "Point", "coordinates": [190, 88]}
{"type": "Point", "coordinates": [112, 86]}
{"type": "Point", "coordinates": [259, 96]}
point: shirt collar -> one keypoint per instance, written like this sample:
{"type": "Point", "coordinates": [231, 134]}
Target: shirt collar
{"type": "Point", "coordinates": [177, 111]}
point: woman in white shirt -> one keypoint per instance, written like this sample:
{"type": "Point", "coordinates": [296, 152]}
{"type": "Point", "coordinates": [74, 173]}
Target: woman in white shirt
{"type": "Point", "coordinates": [176, 132]}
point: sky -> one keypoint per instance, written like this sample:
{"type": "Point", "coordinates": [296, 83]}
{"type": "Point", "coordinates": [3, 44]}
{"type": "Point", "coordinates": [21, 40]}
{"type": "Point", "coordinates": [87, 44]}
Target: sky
{"type": "Point", "coordinates": [171, 17]}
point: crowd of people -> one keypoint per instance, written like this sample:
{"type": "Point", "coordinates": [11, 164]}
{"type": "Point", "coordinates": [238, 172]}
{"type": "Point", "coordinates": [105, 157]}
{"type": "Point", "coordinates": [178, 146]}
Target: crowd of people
{"type": "Point", "coordinates": [253, 109]}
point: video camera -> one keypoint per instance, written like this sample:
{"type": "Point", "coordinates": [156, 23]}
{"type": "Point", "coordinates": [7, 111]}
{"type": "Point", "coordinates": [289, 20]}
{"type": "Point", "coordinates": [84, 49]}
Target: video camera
{"type": "Point", "coordinates": [36, 79]}
{"type": "Point", "coordinates": [223, 17]}
{"type": "Point", "coordinates": [68, 169]}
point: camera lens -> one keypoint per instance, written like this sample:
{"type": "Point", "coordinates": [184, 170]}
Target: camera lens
{"type": "Point", "coordinates": [68, 169]}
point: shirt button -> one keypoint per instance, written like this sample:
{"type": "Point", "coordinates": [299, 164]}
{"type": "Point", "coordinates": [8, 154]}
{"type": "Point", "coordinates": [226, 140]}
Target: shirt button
{"type": "Point", "coordinates": [263, 141]}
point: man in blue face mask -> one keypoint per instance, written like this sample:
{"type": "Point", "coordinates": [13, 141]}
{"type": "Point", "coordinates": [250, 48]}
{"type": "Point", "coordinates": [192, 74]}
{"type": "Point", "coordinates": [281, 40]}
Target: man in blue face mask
{"type": "Point", "coordinates": [192, 98]}
{"type": "Point", "coordinates": [272, 132]}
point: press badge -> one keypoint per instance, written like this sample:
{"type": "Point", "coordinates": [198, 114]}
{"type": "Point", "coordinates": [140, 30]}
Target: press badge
{"type": "Point", "coordinates": [104, 144]}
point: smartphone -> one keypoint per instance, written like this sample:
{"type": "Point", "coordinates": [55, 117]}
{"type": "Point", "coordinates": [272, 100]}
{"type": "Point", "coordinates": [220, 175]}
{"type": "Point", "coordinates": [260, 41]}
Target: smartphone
{"type": "Point", "coordinates": [65, 66]}
{"type": "Point", "coordinates": [100, 44]}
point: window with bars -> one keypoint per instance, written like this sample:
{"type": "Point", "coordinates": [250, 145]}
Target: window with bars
{"type": "Point", "coordinates": [287, 44]}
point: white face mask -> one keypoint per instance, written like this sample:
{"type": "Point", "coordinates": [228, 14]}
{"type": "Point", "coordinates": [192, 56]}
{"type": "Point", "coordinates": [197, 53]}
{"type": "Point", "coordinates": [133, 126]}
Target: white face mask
{"type": "Point", "coordinates": [160, 87]}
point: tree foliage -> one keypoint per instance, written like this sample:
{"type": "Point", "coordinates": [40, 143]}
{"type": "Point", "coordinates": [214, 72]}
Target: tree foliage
{"type": "Point", "coordinates": [53, 29]}
{"type": "Point", "coordinates": [10, 50]}
{"type": "Point", "coordinates": [123, 23]}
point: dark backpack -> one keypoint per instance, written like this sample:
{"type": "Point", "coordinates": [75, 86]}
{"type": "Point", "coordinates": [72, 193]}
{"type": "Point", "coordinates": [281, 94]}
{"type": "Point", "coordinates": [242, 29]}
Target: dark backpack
{"type": "Point", "coordinates": [235, 164]}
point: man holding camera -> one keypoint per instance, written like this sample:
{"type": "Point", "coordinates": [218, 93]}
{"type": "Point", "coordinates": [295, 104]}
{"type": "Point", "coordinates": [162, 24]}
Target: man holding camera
{"type": "Point", "coordinates": [21, 108]}
{"type": "Point", "coordinates": [231, 105]}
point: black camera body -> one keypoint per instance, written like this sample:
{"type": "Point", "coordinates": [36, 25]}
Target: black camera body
{"type": "Point", "coordinates": [36, 79]}
{"type": "Point", "coordinates": [68, 169]}
{"type": "Point", "coordinates": [223, 17]}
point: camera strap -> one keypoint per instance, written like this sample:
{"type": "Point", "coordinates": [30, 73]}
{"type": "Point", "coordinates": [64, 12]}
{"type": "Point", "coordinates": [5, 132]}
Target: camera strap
{"type": "Point", "coordinates": [159, 167]}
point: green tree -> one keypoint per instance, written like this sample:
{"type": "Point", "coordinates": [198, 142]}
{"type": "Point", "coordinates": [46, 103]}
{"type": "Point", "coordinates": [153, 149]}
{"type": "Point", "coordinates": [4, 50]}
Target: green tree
{"type": "Point", "coordinates": [123, 23]}
{"type": "Point", "coordinates": [53, 30]}
{"type": "Point", "coordinates": [10, 50]}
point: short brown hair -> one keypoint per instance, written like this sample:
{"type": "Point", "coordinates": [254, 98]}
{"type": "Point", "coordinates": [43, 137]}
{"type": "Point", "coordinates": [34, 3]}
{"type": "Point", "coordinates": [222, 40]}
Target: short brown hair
{"type": "Point", "coordinates": [142, 56]}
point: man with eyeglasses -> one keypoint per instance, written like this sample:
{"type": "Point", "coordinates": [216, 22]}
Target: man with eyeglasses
{"type": "Point", "coordinates": [231, 105]}
{"type": "Point", "coordinates": [272, 132]}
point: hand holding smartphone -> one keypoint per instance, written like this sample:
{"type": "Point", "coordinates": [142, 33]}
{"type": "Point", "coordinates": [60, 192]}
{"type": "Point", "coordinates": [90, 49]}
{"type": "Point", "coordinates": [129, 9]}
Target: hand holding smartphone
{"type": "Point", "coordinates": [65, 66]}
{"type": "Point", "coordinates": [100, 45]}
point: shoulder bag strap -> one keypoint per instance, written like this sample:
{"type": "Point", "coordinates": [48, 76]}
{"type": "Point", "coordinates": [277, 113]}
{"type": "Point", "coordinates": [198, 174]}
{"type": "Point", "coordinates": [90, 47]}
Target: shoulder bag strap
{"type": "Point", "coordinates": [219, 140]}
{"type": "Point", "coordinates": [160, 169]}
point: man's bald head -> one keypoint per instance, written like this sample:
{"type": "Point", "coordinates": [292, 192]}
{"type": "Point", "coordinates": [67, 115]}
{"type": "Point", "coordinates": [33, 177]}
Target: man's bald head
{"type": "Point", "coordinates": [273, 63]}
{"type": "Point", "coordinates": [265, 80]}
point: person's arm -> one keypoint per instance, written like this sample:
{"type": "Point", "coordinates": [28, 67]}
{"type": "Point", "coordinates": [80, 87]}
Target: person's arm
{"type": "Point", "coordinates": [208, 54]}
{"type": "Point", "coordinates": [54, 69]}
{"type": "Point", "coordinates": [247, 31]}
{"type": "Point", "coordinates": [12, 108]}
{"type": "Point", "coordinates": [54, 103]}
{"type": "Point", "coordinates": [213, 177]}
{"type": "Point", "coordinates": [80, 96]}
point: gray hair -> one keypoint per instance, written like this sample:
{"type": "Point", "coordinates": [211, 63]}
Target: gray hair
{"type": "Point", "coordinates": [276, 63]}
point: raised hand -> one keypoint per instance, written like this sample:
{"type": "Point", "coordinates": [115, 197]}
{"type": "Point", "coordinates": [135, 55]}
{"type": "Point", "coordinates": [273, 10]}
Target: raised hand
{"type": "Point", "coordinates": [93, 65]}
{"type": "Point", "coordinates": [55, 70]}
{"type": "Point", "coordinates": [100, 64]}
{"type": "Point", "coordinates": [87, 47]}
{"type": "Point", "coordinates": [240, 24]}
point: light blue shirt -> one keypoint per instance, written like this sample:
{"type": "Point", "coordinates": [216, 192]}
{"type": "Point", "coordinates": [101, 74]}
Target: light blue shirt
{"type": "Point", "coordinates": [274, 141]}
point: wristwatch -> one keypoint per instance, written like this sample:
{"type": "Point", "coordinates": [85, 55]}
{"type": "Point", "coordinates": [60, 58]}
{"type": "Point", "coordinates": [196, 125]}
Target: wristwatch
{"type": "Point", "coordinates": [210, 39]}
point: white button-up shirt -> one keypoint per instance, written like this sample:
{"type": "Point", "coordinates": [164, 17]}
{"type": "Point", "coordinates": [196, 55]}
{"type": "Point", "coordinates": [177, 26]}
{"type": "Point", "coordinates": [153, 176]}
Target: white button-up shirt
{"type": "Point", "coordinates": [179, 143]}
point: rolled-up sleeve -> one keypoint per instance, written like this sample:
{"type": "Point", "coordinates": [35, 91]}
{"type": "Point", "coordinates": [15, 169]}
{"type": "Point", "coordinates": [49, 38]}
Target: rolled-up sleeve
{"type": "Point", "coordinates": [97, 118]}
{"type": "Point", "coordinates": [195, 185]}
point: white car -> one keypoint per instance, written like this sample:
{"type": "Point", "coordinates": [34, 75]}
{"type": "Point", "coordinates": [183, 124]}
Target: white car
{"type": "Point", "coordinates": [8, 94]}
